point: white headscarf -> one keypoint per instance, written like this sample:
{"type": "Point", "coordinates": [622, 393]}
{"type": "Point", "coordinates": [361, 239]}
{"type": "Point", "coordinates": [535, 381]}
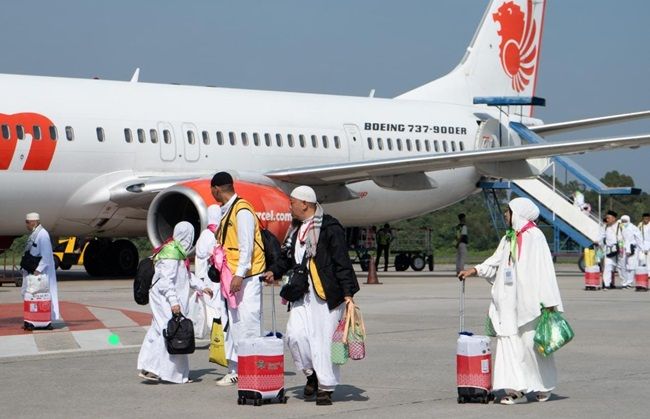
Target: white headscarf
{"type": "Point", "coordinates": [214, 214]}
{"type": "Point", "coordinates": [523, 211]}
{"type": "Point", "coordinates": [184, 235]}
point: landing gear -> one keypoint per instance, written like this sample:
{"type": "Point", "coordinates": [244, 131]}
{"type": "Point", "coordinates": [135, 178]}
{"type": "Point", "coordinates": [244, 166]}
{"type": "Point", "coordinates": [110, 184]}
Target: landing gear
{"type": "Point", "coordinates": [105, 257]}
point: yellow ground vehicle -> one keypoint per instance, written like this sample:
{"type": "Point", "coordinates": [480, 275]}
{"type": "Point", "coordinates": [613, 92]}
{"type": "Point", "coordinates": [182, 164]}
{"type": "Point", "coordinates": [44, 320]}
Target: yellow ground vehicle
{"type": "Point", "coordinates": [70, 251]}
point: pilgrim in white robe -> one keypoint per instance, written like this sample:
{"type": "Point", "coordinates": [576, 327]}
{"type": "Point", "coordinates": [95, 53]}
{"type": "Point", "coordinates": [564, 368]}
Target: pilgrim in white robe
{"type": "Point", "coordinates": [170, 286]}
{"type": "Point", "coordinates": [516, 305]}
{"type": "Point", "coordinates": [202, 254]}
{"type": "Point", "coordinates": [242, 322]}
{"type": "Point", "coordinates": [39, 244]}
{"type": "Point", "coordinates": [309, 331]}
{"type": "Point", "coordinates": [632, 242]}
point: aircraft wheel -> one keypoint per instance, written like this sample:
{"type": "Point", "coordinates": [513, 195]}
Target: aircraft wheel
{"type": "Point", "coordinates": [125, 257]}
{"type": "Point", "coordinates": [57, 262]}
{"type": "Point", "coordinates": [65, 266]}
{"type": "Point", "coordinates": [581, 263]}
{"type": "Point", "coordinates": [97, 257]}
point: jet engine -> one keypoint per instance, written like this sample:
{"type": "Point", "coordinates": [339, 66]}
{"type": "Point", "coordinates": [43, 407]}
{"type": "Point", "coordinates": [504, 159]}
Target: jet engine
{"type": "Point", "coordinates": [188, 201]}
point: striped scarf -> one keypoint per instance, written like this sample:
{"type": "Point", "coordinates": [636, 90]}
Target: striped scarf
{"type": "Point", "coordinates": [310, 235]}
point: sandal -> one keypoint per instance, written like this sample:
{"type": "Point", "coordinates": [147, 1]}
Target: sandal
{"type": "Point", "coordinates": [543, 396]}
{"type": "Point", "coordinates": [514, 398]}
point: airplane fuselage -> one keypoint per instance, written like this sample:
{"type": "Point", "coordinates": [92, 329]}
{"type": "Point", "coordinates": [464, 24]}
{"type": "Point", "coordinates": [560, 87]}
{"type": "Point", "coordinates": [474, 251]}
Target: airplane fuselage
{"type": "Point", "coordinates": [109, 131]}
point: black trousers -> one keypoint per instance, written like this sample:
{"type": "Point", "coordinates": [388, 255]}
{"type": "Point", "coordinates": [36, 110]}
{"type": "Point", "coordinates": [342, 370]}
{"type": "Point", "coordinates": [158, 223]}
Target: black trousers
{"type": "Point", "coordinates": [382, 249]}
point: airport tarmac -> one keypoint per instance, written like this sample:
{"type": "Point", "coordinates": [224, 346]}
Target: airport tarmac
{"type": "Point", "coordinates": [409, 372]}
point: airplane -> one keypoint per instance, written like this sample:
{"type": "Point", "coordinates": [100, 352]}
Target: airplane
{"type": "Point", "coordinates": [120, 158]}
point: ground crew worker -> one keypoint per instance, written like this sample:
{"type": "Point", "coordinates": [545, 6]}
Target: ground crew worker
{"type": "Point", "coordinates": [384, 239]}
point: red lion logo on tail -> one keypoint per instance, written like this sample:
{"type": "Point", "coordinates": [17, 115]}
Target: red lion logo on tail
{"type": "Point", "coordinates": [518, 50]}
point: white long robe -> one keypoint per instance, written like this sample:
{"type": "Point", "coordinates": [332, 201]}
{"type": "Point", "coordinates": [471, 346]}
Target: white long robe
{"type": "Point", "coordinates": [42, 246]}
{"type": "Point", "coordinates": [515, 311]}
{"type": "Point", "coordinates": [632, 238]}
{"type": "Point", "coordinates": [202, 253]}
{"type": "Point", "coordinates": [309, 333]}
{"type": "Point", "coordinates": [171, 286]}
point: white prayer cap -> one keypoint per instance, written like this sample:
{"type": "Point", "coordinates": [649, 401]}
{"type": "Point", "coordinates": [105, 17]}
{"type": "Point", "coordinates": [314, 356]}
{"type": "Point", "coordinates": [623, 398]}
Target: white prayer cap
{"type": "Point", "coordinates": [33, 216]}
{"type": "Point", "coordinates": [304, 193]}
{"type": "Point", "coordinates": [524, 208]}
{"type": "Point", "coordinates": [625, 219]}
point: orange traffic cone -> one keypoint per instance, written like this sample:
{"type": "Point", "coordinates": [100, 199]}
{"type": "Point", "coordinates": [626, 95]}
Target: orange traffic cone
{"type": "Point", "coordinates": [372, 272]}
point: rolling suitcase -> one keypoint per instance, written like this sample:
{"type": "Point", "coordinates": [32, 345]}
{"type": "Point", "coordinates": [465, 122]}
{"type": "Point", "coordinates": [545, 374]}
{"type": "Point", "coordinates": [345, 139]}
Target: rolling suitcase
{"type": "Point", "coordinates": [37, 311]}
{"type": "Point", "coordinates": [473, 362]}
{"type": "Point", "coordinates": [261, 366]}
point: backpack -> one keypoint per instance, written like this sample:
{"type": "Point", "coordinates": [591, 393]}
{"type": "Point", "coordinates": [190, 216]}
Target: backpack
{"type": "Point", "coordinates": [179, 335]}
{"type": "Point", "coordinates": [272, 248]}
{"type": "Point", "coordinates": [142, 282]}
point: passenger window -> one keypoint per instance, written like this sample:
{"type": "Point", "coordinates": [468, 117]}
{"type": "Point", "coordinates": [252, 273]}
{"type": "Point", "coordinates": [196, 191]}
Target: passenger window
{"type": "Point", "coordinates": [278, 139]}
{"type": "Point", "coordinates": [389, 143]}
{"type": "Point", "coordinates": [461, 145]}
{"type": "Point", "coordinates": [167, 136]}
{"type": "Point", "coordinates": [69, 133]}
{"type": "Point", "coordinates": [37, 132]}
{"type": "Point", "coordinates": [290, 140]}
{"type": "Point", "coordinates": [369, 143]}
{"type": "Point", "coordinates": [53, 133]}
{"type": "Point", "coordinates": [301, 139]}
{"type": "Point", "coordinates": [233, 139]}
{"type": "Point", "coordinates": [314, 141]}
{"type": "Point", "coordinates": [267, 139]}
{"type": "Point", "coordinates": [100, 134]}
{"type": "Point", "coordinates": [436, 145]}
{"type": "Point", "coordinates": [142, 138]}
{"type": "Point", "coordinates": [190, 137]}
{"type": "Point", "coordinates": [427, 145]}
{"type": "Point", "coordinates": [6, 134]}
{"type": "Point", "coordinates": [127, 134]}
{"type": "Point", "coordinates": [20, 132]}
{"type": "Point", "coordinates": [206, 138]}
{"type": "Point", "coordinates": [408, 144]}
{"type": "Point", "coordinates": [219, 138]}
{"type": "Point", "coordinates": [154, 136]}
{"type": "Point", "coordinates": [244, 139]}
{"type": "Point", "coordinates": [444, 145]}
{"type": "Point", "coordinates": [337, 141]}
{"type": "Point", "coordinates": [325, 141]}
{"type": "Point", "coordinates": [453, 146]}
{"type": "Point", "coordinates": [380, 144]}
{"type": "Point", "coordinates": [256, 139]}
{"type": "Point", "coordinates": [417, 145]}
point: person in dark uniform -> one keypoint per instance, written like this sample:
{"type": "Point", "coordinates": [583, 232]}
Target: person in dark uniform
{"type": "Point", "coordinates": [384, 238]}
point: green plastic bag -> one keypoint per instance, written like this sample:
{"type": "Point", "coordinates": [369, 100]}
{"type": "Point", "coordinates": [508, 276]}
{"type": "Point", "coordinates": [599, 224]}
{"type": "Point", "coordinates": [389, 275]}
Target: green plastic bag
{"type": "Point", "coordinates": [552, 332]}
{"type": "Point", "coordinates": [489, 327]}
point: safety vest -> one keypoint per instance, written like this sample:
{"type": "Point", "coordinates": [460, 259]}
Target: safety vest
{"type": "Point", "coordinates": [230, 244]}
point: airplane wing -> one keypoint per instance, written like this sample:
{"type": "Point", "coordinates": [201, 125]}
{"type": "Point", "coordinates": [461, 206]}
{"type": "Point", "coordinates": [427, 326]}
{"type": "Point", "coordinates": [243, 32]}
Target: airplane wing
{"type": "Point", "coordinates": [382, 170]}
{"type": "Point", "coordinates": [561, 127]}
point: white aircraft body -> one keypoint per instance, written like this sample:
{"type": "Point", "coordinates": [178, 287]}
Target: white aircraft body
{"type": "Point", "coordinates": [118, 159]}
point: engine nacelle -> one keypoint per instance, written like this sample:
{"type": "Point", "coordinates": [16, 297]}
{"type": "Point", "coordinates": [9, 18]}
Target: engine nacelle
{"type": "Point", "coordinates": [188, 201]}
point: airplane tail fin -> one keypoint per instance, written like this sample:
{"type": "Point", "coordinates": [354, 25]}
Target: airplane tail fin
{"type": "Point", "coordinates": [501, 60]}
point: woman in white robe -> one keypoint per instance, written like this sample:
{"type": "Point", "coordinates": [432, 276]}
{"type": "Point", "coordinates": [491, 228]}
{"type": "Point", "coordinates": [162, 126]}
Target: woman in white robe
{"type": "Point", "coordinates": [169, 294]}
{"type": "Point", "coordinates": [523, 279]}
{"type": "Point", "coordinates": [204, 249]}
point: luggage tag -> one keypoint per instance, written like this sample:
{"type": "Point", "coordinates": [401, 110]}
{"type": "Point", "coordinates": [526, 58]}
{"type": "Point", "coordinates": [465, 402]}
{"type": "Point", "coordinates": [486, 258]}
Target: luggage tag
{"type": "Point", "coordinates": [509, 277]}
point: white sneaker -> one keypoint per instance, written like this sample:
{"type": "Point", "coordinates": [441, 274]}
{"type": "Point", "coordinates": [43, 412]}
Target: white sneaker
{"type": "Point", "coordinates": [227, 380]}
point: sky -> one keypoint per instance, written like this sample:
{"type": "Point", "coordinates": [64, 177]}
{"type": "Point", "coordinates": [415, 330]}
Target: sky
{"type": "Point", "coordinates": [595, 56]}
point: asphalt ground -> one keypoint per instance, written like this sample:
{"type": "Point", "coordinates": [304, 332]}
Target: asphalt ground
{"type": "Point", "coordinates": [412, 323]}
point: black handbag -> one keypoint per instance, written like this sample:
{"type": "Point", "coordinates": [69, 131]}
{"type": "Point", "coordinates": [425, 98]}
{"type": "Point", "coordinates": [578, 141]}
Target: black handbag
{"type": "Point", "coordinates": [214, 274]}
{"type": "Point", "coordinates": [29, 262]}
{"type": "Point", "coordinates": [297, 283]}
{"type": "Point", "coordinates": [179, 335]}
